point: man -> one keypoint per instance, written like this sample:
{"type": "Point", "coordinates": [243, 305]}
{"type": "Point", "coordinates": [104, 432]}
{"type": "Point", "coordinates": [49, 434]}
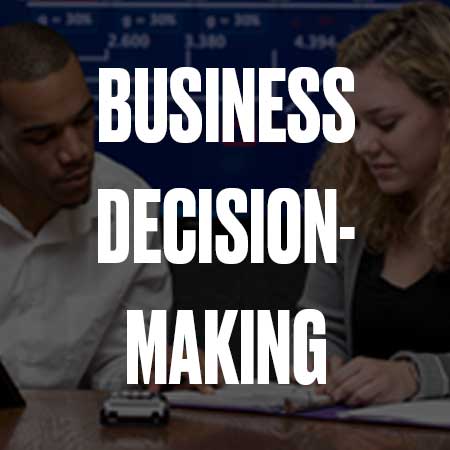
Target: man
{"type": "Point", "coordinates": [62, 315]}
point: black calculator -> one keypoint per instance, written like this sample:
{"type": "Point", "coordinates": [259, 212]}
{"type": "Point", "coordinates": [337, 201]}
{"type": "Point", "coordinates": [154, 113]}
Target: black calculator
{"type": "Point", "coordinates": [10, 396]}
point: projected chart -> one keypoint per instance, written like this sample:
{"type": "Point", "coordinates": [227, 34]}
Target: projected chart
{"type": "Point", "coordinates": [202, 34]}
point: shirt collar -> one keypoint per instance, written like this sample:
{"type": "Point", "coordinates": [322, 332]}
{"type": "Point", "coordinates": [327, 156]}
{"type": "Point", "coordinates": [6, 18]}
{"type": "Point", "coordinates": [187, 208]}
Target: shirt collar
{"type": "Point", "coordinates": [64, 225]}
{"type": "Point", "coordinates": [86, 214]}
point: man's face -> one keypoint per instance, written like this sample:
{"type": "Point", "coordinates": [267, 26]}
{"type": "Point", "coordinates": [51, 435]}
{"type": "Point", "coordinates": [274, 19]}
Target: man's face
{"type": "Point", "coordinates": [47, 137]}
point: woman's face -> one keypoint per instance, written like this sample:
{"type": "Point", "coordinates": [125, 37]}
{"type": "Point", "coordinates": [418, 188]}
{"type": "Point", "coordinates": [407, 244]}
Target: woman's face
{"type": "Point", "coordinates": [397, 134]}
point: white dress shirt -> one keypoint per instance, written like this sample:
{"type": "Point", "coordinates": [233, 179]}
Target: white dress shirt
{"type": "Point", "coordinates": [63, 315]}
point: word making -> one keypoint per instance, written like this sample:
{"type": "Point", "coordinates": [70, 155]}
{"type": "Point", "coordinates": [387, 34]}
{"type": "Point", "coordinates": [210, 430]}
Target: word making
{"type": "Point", "coordinates": [295, 345]}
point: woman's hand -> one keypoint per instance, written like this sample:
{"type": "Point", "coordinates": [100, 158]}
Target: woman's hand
{"type": "Point", "coordinates": [334, 363]}
{"type": "Point", "coordinates": [365, 381]}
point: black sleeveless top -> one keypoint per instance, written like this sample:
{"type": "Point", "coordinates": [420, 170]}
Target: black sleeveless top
{"type": "Point", "coordinates": [387, 319]}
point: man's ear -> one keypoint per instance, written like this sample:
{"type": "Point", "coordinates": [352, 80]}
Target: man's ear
{"type": "Point", "coordinates": [2, 147]}
{"type": "Point", "coordinates": [2, 125]}
{"type": "Point", "coordinates": [2, 140]}
{"type": "Point", "coordinates": [446, 118]}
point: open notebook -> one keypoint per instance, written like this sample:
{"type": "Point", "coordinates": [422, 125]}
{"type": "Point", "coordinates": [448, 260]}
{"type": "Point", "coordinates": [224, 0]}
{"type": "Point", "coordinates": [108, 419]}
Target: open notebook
{"type": "Point", "coordinates": [435, 413]}
{"type": "Point", "coordinates": [269, 398]}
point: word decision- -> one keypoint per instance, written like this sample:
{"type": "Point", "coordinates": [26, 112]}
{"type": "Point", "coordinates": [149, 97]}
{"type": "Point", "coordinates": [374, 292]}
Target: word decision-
{"type": "Point", "coordinates": [267, 220]}
{"type": "Point", "coordinates": [307, 357]}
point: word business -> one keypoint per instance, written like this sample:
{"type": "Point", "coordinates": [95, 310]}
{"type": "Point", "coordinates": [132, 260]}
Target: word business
{"type": "Point", "coordinates": [229, 98]}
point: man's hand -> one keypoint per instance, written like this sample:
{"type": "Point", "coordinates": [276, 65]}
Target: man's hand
{"type": "Point", "coordinates": [365, 381]}
{"type": "Point", "coordinates": [203, 388]}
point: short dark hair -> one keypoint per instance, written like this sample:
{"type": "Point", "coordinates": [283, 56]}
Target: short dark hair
{"type": "Point", "coordinates": [31, 52]}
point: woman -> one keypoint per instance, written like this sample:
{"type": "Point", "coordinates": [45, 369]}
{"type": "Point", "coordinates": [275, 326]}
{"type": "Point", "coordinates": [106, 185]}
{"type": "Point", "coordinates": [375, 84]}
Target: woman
{"type": "Point", "coordinates": [387, 300]}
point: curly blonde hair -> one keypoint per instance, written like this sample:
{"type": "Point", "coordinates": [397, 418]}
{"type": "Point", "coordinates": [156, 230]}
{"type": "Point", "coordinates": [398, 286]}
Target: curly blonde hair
{"type": "Point", "coordinates": [413, 43]}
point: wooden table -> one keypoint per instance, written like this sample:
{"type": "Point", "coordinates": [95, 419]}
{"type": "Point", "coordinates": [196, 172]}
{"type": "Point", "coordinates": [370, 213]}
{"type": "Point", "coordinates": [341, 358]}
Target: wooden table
{"type": "Point", "coordinates": [63, 420]}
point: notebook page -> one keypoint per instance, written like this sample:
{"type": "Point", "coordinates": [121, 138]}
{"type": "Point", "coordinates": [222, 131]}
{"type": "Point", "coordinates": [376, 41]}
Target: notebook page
{"type": "Point", "coordinates": [427, 412]}
{"type": "Point", "coordinates": [263, 398]}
